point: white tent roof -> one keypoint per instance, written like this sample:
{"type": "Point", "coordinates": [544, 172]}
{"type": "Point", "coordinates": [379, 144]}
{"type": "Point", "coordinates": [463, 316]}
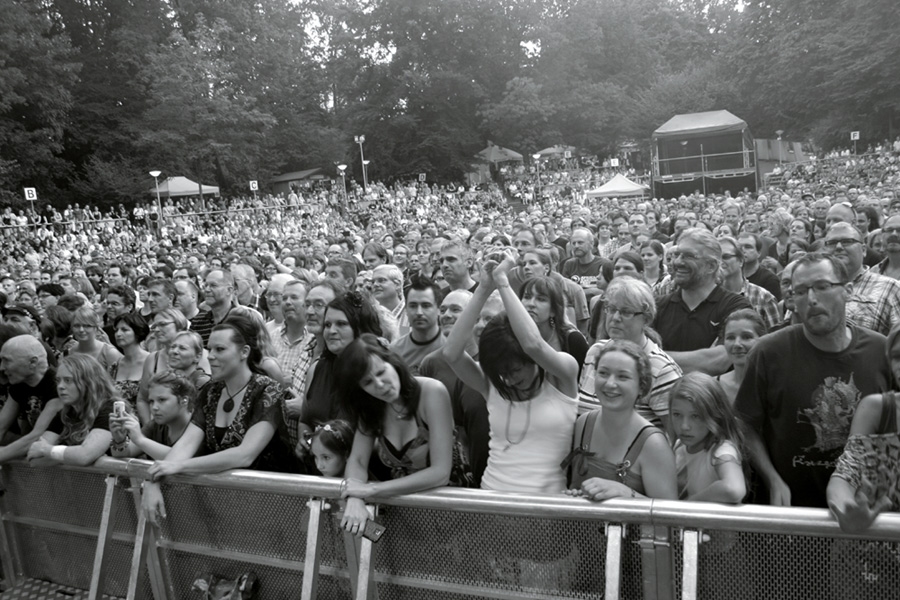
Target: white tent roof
{"type": "Point", "coordinates": [617, 187]}
{"type": "Point", "coordinates": [182, 186]}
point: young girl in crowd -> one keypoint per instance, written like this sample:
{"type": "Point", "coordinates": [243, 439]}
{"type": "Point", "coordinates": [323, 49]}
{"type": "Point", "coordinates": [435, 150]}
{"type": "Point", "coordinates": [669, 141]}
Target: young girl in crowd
{"type": "Point", "coordinates": [171, 400]}
{"type": "Point", "coordinates": [87, 393]}
{"type": "Point", "coordinates": [709, 447]}
{"type": "Point", "coordinates": [330, 445]}
{"type": "Point", "coordinates": [740, 332]}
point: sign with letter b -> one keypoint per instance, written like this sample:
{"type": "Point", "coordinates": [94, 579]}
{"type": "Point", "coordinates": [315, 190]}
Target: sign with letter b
{"type": "Point", "coordinates": [31, 194]}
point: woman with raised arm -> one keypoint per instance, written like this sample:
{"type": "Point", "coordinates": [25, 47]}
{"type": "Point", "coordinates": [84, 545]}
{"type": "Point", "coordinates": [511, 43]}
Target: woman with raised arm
{"type": "Point", "coordinates": [531, 389]}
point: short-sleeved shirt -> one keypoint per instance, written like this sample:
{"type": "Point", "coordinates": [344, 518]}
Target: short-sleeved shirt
{"type": "Point", "coordinates": [683, 329]}
{"type": "Point", "coordinates": [32, 400]}
{"type": "Point", "coordinates": [801, 401]}
{"type": "Point", "coordinates": [413, 352]}
{"type": "Point", "coordinates": [101, 421]}
{"type": "Point", "coordinates": [584, 275]}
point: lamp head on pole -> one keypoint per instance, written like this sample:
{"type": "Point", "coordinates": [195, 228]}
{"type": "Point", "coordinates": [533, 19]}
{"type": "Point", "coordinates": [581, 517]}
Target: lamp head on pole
{"type": "Point", "coordinates": [155, 174]}
{"type": "Point", "coordinates": [536, 156]}
{"type": "Point", "coordinates": [366, 162]}
{"type": "Point", "coordinates": [360, 139]}
{"type": "Point", "coordinates": [779, 132]}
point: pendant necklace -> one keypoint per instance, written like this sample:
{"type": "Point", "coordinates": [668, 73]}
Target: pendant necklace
{"type": "Point", "coordinates": [398, 414]}
{"type": "Point", "coordinates": [510, 443]}
{"type": "Point", "coordinates": [228, 405]}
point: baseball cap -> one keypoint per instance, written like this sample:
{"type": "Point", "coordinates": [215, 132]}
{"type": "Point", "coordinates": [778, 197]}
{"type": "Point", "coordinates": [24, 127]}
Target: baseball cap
{"type": "Point", "coordinates": [24, 310]}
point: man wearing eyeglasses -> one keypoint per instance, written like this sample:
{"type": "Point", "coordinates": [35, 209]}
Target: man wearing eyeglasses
{"type": "Point", "coordinates": [890, 237]}
{"type": "Point", "coordinates": [803, 383]}
{"type": "Point", "coordinates": [875, 299]}
{"type": "Point", "coordinates": [688, 320]}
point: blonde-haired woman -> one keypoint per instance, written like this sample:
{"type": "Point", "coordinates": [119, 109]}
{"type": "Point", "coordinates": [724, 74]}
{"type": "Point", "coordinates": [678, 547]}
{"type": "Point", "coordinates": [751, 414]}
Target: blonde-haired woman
{"type": "Point", "coordinates": [81, 435]}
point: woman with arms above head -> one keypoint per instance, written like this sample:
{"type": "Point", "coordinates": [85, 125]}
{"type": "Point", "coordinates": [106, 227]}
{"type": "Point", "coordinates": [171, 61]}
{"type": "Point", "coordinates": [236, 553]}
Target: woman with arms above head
{"type": "Point", "coordinates": [530, 389]}
{"type": "Point", "coordinates": [236, 417]}
{"type": "Point", "coordinates": [405, 421]}
{"type": "Point", "coordinates": [87, 394]}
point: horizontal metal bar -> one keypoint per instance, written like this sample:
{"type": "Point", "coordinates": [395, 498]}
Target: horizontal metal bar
{"type": "Point", "coordinates": [703, 515]}
{"type": "Point", "coordinates": [127, 538]}
{"type": "Point", "coordinates": [460, 588]}
{"type": "Point", "coordinates": [243, 557]}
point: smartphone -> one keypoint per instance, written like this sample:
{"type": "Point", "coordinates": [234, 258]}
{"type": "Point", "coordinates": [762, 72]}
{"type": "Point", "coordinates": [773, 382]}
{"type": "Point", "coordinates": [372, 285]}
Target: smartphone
{"type": "Point", "coordinates": [373, 531]}
{"type": "Point", "coordinates": [119, 408]}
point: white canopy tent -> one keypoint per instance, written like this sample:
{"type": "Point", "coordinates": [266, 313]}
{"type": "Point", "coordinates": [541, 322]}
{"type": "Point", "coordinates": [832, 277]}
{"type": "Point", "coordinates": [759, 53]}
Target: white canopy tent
{"type": "Point", "coordinates": [174, 187]}
{"type": "Point", "coordinates": [619, 187]}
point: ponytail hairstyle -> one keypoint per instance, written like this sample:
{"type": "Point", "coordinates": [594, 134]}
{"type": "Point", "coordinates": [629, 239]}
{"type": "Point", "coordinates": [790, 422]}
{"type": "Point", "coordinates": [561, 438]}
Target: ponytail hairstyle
{"type": "Point", "coordinates": [243, 333]}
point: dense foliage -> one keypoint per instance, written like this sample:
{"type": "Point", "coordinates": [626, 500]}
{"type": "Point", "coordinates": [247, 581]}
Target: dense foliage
{"type": "Point", "coordinates": [94, 93]}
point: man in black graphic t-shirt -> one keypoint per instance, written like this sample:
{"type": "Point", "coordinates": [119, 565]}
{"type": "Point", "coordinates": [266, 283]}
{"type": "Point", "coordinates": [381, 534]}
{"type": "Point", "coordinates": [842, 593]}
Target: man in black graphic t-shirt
{"type": "Point", "coordinates": [32, 392]}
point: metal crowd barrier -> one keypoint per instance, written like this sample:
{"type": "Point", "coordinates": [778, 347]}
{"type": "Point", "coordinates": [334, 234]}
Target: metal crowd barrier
{"type": "Point", "coordinates": [80, 531]}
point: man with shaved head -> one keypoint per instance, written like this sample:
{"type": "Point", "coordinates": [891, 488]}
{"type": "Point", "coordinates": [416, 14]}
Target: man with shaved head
{"type": "Point", "coordinates": [32, 395]}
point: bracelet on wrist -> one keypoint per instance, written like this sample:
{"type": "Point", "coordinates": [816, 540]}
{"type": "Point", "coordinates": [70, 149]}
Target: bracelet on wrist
{"type": "Point", "coordinates": [120, 446]}
{"type": "Point", "coordinates": [58, 453]}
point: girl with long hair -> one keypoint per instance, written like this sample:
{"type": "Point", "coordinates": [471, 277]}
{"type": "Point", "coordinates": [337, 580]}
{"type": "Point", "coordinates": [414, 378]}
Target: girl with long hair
{"type": "Point", "coordinates": [544, 302]}
{"type": "Point", "coordinates": [740, 332]}
{"type": "Point", "coordinates": [406, 421]}
{"type": "Point", "coordinates": [87, 394]}
{"type": "Point", "coordinates": [85, 326]}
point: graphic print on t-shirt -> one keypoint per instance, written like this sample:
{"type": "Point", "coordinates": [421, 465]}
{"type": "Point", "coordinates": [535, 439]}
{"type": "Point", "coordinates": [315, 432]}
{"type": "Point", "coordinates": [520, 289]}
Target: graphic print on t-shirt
{"type": "Point", "coordinates": [834, 403]}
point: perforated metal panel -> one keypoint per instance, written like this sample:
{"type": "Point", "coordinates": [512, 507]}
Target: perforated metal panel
{"type": "Point", "coordinates": [455, 551]}
{"type": "Point", "coordinates": [54, 495]}
{"type": "Point", "coordinates": [741, 565]}
{"type": "Point", "coordinates": [185, 568]}
{"type": "Point", "coordinates": [269, 525]}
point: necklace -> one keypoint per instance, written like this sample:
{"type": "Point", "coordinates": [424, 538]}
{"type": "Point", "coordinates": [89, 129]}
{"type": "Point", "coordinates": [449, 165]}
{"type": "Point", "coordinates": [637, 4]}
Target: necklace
{"type": "Point", "coordinates": [398, 414]}
{"type": "Point", "coordinates": [510, 443]}
{"type": "Point", "coordinates": [228, 405]}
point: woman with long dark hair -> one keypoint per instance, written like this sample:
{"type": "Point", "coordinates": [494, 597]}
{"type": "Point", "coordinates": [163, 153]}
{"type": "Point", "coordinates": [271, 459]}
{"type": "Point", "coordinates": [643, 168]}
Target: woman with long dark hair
{"type": "Point", "coordinates": [236, 419]}
{"type": "Point", "coordinates": [530, 388]}
{"type": "Point", "coordinates": [406, 421]}
{"type": "Point", "coordinates": [544, 302]}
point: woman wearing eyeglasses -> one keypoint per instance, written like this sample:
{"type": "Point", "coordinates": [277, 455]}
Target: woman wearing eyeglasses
{"type": "Point", "coordinates": [629, 310]}
{"type": "Point", "coordinates": [85, 325]}
{"type": "Point", "coordinates": [166, 324]}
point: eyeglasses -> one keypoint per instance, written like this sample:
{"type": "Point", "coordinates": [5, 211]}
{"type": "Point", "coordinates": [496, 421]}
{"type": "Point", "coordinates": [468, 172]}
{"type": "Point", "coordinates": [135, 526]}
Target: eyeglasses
{"type": "Point", "coordinates": [819, 287]}
{"type": "Point", "coordinates": [845, 243]}
{"type": "Point", "coordinates": [316, 304]}
{"type": "Point", "coordinates": [890, 230]}
{"type": "Point", "coordinates": [622, 312]}
{"type": "Point", "coordinates": [160, 324]}
{"type": "Point", "coordinates": [684, 254]}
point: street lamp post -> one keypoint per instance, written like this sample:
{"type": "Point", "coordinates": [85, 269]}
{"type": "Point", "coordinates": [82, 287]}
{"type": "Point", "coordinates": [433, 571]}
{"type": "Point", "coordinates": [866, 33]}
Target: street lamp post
{"type": "Point", "coordinates": [366, 171]}
{"type": "Point", "coordinates": [342, 168]}
{"type": "Point", "coordinates": [537, 186]}
{"type": "Point", "coordinates": [780, 159]}
{"type": "Point", "coordinates": [360, 139]}
{"type": "Point", "coordinates": [155, 175]}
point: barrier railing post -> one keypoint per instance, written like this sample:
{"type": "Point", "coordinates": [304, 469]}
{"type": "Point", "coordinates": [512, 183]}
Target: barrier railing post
{"type": "Point", "coordinates": [104, 536]}
{"type": "Point", "coordinates": [311, 562]}
{"type": "Point", "coordinates": [690, 539]}
{"type": "Point", "coordinates": [365, 578]}
{"type": "Point", "coordinates": [614, 534]}
{"type": "Point", "coordinates": [6, 552]}
{"type": "Point", "coordinates": [656, 562]}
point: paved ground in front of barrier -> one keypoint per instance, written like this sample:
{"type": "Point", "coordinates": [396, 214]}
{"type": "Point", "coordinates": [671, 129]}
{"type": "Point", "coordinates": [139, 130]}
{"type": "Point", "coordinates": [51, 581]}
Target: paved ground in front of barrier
{"type": "Point", "coordinates": [35, 589]}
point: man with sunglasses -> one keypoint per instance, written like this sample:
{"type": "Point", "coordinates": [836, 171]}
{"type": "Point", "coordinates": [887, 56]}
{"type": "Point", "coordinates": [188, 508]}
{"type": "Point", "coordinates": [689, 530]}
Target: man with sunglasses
{"type": "Point", "coordinates": [875, 300]}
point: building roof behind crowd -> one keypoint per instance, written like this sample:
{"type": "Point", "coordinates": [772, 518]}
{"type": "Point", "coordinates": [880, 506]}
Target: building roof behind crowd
{"type": "Point", "coordinates": [715, 121]}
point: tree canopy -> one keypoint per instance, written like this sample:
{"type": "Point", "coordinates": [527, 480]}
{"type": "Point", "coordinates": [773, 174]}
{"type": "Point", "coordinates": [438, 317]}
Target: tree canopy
{"type": "Point", "coordinates": [95, 93]}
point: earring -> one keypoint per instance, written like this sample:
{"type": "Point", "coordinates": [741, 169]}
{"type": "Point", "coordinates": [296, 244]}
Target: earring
{"type": "Point", "coordinates": [552, 321]}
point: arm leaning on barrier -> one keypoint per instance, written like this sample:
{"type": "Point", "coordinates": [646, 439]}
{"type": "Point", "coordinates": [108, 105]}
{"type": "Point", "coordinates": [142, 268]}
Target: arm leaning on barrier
{"type": "Point", "coordinates": [44, 453]}
{"type": "Point", "coordinates": [19, 448]}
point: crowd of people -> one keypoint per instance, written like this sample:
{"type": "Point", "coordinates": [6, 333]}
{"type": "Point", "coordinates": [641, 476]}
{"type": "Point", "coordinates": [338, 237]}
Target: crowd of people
{"type": "Point", "coordinates": [725, 348]}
